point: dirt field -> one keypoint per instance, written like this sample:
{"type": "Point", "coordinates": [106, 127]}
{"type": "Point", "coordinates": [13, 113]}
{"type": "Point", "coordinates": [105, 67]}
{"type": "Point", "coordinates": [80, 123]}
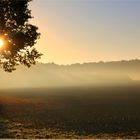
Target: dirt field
{"type": "Point", "coordinates": [91, 112]}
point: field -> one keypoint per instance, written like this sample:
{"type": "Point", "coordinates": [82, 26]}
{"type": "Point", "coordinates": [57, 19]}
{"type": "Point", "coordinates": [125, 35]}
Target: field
{"type": "Point", "coordinates": [80, 112]}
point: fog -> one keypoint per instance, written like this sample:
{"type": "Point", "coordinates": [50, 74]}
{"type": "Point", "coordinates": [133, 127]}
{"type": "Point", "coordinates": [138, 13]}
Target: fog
{"type": "Point", "coordinates": [87, 74]}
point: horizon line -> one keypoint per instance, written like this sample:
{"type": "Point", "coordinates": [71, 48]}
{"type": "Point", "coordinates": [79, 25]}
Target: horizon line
{"type": "Point", "coordinates": [88, 62]}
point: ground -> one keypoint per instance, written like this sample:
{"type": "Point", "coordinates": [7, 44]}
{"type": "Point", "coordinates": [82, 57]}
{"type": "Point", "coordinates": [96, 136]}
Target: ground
{"type": "Point", "coordinates": [76, 112]}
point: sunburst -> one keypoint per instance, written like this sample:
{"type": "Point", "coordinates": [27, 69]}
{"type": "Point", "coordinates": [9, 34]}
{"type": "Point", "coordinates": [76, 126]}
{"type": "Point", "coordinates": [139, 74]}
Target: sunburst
{"type": "Point", "coordinates": [1, 43]}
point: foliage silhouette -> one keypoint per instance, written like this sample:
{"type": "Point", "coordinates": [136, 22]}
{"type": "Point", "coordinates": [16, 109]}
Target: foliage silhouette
{"type": "Point", "coordinates": [18, 34]}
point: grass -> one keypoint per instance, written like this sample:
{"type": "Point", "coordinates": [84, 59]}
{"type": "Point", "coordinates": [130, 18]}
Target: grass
{"type": "Point", "coordinates": [82, 112]}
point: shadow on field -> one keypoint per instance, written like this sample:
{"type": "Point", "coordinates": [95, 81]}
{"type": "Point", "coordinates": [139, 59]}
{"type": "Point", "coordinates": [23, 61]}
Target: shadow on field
{"type": "Point", "coordinates": [91, 110]}
{"type": "Point", "coordinates": [82, 111]}
{"type": "Point", "coordinates": [4, 133]}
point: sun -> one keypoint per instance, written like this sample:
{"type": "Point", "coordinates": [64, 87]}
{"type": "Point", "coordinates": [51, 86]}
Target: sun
{"type": "Point", "coordinates": [1, 43]}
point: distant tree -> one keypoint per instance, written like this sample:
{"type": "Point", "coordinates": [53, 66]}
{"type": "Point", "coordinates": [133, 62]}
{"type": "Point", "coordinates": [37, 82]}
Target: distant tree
{"type": "Point", "coordinates": [17, 35]}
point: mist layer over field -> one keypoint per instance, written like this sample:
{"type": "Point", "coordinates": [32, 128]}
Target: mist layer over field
{"type": "Point", "coordinates": [88, 74]}
{"type": "Point", "coordinates": [92, 100]}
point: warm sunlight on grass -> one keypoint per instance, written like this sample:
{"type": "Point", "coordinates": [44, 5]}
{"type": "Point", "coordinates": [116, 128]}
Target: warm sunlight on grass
{"type": "Point", "coordinates": [1, 43]}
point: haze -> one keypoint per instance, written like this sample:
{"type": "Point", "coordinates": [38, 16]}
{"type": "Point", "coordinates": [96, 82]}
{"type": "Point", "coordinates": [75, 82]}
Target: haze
{"type": "Point", "coordinates": [87, 84]}
{"type": "Point", "coordinates": [76, 75]}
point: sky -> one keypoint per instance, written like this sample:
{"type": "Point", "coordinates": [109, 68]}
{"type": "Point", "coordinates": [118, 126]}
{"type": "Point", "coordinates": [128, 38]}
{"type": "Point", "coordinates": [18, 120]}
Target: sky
{"type": "Point", "coordinates": [77, 31]}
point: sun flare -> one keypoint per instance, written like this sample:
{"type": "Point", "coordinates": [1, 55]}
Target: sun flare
{"type": "Point", "coordinates": [1, 43]}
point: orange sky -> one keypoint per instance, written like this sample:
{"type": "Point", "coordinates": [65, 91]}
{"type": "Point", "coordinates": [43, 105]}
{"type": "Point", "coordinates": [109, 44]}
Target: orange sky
{"type": "Point", "coordinates": [87, 30]}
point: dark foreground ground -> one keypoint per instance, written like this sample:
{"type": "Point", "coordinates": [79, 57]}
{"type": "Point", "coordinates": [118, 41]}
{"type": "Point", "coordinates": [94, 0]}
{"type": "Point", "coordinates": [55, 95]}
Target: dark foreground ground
{"type": "Point", "coordinates": [97, 112]}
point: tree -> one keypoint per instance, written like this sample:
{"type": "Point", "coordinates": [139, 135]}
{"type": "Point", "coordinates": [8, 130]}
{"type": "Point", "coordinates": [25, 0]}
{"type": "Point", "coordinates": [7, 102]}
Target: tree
{"type": "Point", "coordinates": [18, 35]}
